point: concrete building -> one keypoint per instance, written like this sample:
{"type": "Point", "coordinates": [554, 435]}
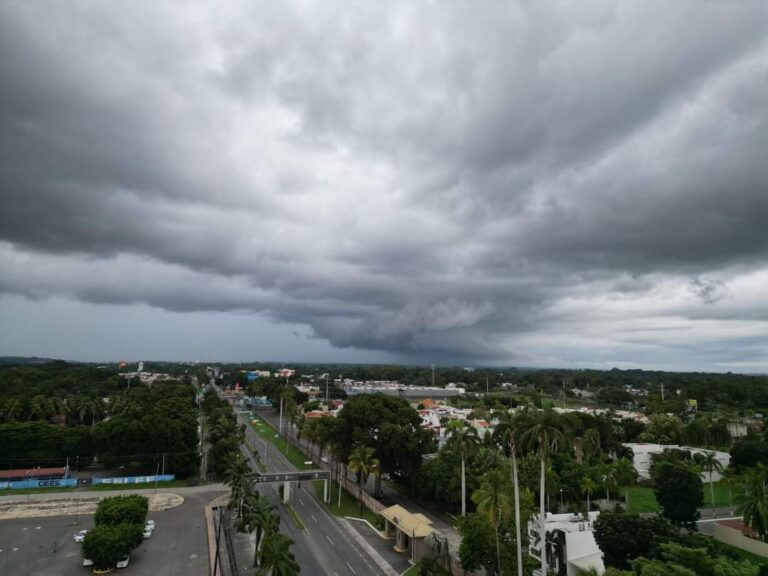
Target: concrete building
{"type": "Point", "coordinates": [644, 458]}
{"type": "Point", "coordinates": [571, 545]}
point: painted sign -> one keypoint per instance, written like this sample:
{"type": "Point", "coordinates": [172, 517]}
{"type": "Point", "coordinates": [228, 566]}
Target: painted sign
{"type": "Point", "coordinates": [52, 483]}
{"type": "Point", "coordinates": [135, 479]}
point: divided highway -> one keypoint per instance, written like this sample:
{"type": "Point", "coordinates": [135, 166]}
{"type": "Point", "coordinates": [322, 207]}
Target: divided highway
{"type": "Point", "coordinates": [325, 547]}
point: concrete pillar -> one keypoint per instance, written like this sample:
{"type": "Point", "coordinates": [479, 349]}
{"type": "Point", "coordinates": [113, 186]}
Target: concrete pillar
{"type": "Point", "coordinates": [286, 492]}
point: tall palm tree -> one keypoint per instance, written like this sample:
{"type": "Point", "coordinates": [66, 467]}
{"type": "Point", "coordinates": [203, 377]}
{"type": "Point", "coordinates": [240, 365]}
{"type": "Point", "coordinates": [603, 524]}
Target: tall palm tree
{"type": "Point", "coordinates": [237, 477]}
{"type": "Point", "coordinates": [730, 480]}
{"type": "Point", "coordinates": [493, 502]}
{"type": "Point", "coordinates": [464, 437]}
{"type": "Point", "coordinates": [543, 435]}
{"type": "Point", "coordinates": [258, 516]}
{"type": "Point", "coordinates": [277, 559]}
{"type": "Point", "coordinates": [608, 477]}
{"type": "Point", "coordinates": [753, 504]}
{"type": "Point", "coordinates": [362, 461]}
{"type": "Point", "coordinates": [626, 475]}
{"type": "Point", "coordinates": [588, 487]}
{"type": "Point", "coordinates": [507, 432]}
{"type": "Point", "coordinates": [710, 464]}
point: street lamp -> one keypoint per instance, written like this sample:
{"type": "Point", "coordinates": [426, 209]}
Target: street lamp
{"type": "Point", "coordinates": [562, 506]}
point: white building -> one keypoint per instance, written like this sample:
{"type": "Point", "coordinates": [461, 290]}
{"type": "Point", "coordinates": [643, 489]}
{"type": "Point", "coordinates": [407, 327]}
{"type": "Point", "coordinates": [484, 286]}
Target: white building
{"type": "Point", "coordinates": [571, 542]}
{"type": "Point", "coordinates": [644, 458]}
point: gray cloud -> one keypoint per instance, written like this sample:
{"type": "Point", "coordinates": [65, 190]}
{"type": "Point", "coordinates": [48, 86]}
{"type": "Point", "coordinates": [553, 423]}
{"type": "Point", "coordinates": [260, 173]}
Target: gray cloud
{"type": "Point", "coordinates": [453, 183]}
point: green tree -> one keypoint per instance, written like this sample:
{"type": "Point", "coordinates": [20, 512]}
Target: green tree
{"type": "Point", "coordinates": [544, 435]}
{"type": "Point", "coordinates": [710, 464]}
{"type": "Point", "coordinates": [626, 476]}
{"type": "Point", "coordinates": [679, 491]}
{"type": "Point", "coordinates": [493, 502]}
{"type": "Point", "coordinates": [588, 487]}
{"type": "Point", "coordinates": [122, 510]}
{"type": "Point", "coordinates": [363, 462]}
{"type": "Point", "coordinates": [464, 437]}
{"type": "Point", "coordinates": [107, 543]}
{"type": "Point", "coordinates": [753, 504]}
{"type": "Point", "coordinates": [238, 479]}
{"type": "Point", "coordinates": [663, 429]}
{"type": "Point", "coordinates": [623, 537]}
{"type": "Point", "coordinates": [276, 558]}
{"type": "Point", "coordinates": [507, 433]}
{"type": "Point", "coordinates": [476, 550]}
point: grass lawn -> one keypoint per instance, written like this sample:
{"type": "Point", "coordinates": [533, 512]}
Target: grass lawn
{"type": "Point", "coordinates": [293, 455]}
{"type": "Point", "coordinates": [350, 505]}
{"type": "Point", "coordinates": [642, 499]}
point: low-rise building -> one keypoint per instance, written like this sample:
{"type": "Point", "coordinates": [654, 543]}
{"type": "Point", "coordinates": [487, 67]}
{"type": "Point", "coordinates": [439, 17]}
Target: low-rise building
{"type": "Point", "coordinates": [644, 453]}
{"type": "Point", "coordinates": [570, 543]}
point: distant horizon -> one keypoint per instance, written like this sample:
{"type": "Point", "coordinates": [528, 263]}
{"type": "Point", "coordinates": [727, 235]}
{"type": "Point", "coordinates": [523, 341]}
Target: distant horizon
{"type": "Point", "coordinates": [6, 359]}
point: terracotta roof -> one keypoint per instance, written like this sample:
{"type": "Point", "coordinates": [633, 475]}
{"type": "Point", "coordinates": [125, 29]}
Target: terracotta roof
{"type": "Point", "coordinates": [32, 472]}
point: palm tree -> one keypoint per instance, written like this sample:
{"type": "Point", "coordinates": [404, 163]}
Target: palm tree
{"type": "Point", "coordinates": [277, 559]}
{"type": "Point", "coordinates": [237, 477]}
{"type": "Point", "coordinates": [545, 435]}
{"type": "Point", "coordinates": [507, 432]}
{"type": "Point", "coordinates": [588, 487]}
{"type": "Point", "coordinates": [626, 475]}
{"type": "Point", "coordinates": [258, 516]}
{"type": "Point", "coordinates": [753, 504]}
{"type": "Point", "coordinates": [493, 502]}
{"type": "Point", "coordinates": [465, 439]}
{"type": "Point", "coordinates": [362, 461]}
{"type": "Point", "coordinates": [609, 481]}
{"type": "Point", "coordinates": [710, 463]}
{"type": "Point", "coordinates": [730, 480]}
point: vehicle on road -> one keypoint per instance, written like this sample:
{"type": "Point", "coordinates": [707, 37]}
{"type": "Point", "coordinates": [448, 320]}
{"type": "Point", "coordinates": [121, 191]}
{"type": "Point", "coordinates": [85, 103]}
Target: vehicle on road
{"type": "Point", "coordinates": [80, 536]}
{"type": "Point", "coordinates": [150, 524]}
{"type": "Point", "coordinates": [87, 562]}
{"type": "Point", "coordinates": [123, 563]}
{"type": "Point", "coordinates": [147, 533]}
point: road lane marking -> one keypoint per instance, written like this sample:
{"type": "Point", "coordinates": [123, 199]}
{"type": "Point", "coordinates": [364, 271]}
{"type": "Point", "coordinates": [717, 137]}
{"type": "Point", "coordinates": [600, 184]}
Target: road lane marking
{"type": "Point", "coordinates": [313, 518]}
{"type": "Point", "coordinates": [350, 567]}
{"type": "Point", "coordinates": [329, 540]}
{"type": "Point", "coordinates": [301, 501]}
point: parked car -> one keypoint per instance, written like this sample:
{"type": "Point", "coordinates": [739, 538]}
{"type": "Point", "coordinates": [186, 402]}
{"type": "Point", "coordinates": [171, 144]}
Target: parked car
{"type": "Point", "coordinates": [123, 563]}
{"type": "Point", "coordinates": [87, 562]}
{"type": "Point", "coordinates": [147, 533]}
{"type": "Point", "coordinates": [150, 524]}
{"type": "Point", "coordinates": [80, 536]}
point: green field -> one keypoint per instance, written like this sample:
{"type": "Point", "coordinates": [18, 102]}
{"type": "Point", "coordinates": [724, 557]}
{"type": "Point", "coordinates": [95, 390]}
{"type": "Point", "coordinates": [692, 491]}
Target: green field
{"type": "Point", "coordinates": [642, 499]}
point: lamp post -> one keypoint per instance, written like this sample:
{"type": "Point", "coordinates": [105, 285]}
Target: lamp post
{"type": "Point", "coordinates": [562, 506]}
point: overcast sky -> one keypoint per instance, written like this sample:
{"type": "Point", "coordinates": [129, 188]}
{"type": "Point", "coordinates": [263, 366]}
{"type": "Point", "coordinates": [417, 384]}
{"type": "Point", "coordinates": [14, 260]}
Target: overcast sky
{"type": "Point", "coordinates": [572, 184]}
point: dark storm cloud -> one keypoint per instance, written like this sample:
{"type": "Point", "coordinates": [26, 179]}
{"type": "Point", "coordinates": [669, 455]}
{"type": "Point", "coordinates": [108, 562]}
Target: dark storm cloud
{"type": "Point", "coordinates": [497, 181]}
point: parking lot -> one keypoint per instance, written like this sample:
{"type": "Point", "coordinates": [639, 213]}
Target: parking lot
{"type": "Point", "coordinates": [46, 547]}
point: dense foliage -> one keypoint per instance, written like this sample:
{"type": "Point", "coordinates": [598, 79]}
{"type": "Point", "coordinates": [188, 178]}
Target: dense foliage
{"type": "Point", "coordinates": [56, 414]}
{"type": "Point", "coordinates": [118, 531]}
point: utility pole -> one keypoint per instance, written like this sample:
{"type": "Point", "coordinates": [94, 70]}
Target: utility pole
{"type": "Point", "coordinates": [163, 463]}
{"type": "Point", "coordinates": [662, 391]}
{"type": "Point", "coordinates": [487, 388]}
{"type": "Point", "coordinates": [433, 375]}
{"type": "Point", "coordinates": [327, 391]}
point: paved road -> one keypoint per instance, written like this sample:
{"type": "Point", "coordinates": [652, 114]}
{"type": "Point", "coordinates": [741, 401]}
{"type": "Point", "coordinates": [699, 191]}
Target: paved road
{"type": "Point", "coordinates": [326, 547]}
{"type": "Point", "coordinates": [45, 547]}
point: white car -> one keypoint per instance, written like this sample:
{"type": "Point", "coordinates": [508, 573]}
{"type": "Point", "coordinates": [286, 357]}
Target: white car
{"type": "Point", "coordinates": [123, 563]}
{"type": "Point", "coordinates": [80, 536]}
{"type": "Point", "coordinates": [87, 562]}
{"type": "Point", "coordinates": [150, 525]}
{"type": "Point", "coordinates": [147, 533]}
